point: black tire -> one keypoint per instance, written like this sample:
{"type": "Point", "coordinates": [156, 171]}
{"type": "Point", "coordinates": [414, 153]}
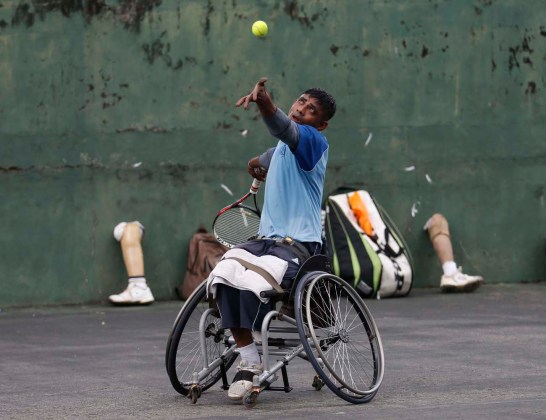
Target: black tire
{"type": "Point", "coordinates": [339, 336]}
{"type": "Point", "coordinates": [183, 355]}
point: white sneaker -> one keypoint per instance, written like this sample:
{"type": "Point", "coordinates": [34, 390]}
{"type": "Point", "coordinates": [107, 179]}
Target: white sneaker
{"type": "Point", "coordinates": [135, 294]}
{"type": "Point", "coordinates": [460, 282]}
{"type": "Point", "coordinates": [242, 382]}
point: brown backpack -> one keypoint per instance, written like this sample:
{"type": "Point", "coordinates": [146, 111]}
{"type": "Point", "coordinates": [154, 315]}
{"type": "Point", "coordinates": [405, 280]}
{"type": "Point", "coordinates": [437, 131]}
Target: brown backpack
{"type": "Point", "coordinates": [203, 255]}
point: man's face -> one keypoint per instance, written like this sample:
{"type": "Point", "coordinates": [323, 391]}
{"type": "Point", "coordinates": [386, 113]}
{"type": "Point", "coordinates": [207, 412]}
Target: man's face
{"type": "Point", "coordinates": [306, 110]}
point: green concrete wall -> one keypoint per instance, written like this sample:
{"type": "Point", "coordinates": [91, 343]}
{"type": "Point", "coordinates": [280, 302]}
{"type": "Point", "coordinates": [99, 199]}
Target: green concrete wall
{"type": "Point", "coordinates": [124, 110]}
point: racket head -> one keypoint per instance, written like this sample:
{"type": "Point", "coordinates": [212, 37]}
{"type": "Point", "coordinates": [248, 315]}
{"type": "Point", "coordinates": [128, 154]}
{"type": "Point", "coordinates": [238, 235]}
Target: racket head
{"type": "Point", "coordinates": [236, 225]}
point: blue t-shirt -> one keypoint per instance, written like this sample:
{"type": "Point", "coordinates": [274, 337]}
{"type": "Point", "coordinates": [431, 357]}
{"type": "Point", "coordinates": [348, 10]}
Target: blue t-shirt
{"type": "Point", "coordinates": [294, 187]}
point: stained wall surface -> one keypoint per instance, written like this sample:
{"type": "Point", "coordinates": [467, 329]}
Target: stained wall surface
{"type": "Point", "coordinates": [124, 110]}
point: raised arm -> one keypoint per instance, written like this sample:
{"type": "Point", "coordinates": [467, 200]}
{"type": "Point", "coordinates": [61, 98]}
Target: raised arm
{"type": "Point", "coordinates": [279, 124]}
{"type": "Point", "coordinates": [261, 97]}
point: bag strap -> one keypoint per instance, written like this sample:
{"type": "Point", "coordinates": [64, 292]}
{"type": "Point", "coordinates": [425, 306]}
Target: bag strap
{"type": "Point", "coordinates": [268, 277]}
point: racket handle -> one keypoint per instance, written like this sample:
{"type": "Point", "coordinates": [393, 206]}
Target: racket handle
{"type": "Point", "coordinates": [255, 186]}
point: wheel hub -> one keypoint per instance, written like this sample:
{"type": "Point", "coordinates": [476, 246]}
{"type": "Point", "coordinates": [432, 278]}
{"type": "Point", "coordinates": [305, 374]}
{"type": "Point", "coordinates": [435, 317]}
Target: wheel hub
{"type": "Point", "coordinates": [343, 335]}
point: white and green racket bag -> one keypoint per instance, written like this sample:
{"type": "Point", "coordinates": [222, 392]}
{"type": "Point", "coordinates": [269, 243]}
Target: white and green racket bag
{"type": "Point", "coordinates": [378, 265]}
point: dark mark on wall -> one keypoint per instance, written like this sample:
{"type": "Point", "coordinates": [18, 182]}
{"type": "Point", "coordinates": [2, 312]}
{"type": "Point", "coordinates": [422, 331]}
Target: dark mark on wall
{"type": "Point", "coordinates": [129, 174]}
{"type": "Point", "coordinates": [517, 53]}
{"type": "Point", "coordinates": [3, 24]}
{"type": "Point", "coordinates": [293, 10]}
{"type": "Point", "coordinates": [364, 51]}
{"type": "Point", "coordinates": [424, 51]}
{"type": "Point", "coordinates": [334, 49]}
{"type": "Point", "coordinates": [160, 50]}
{"type": "Point", "coordinates": [206, 25]}
{"type": "Point", "coordinates": [222, 125]}
{"type": "Point", "coordinates": [175, 170]}
{"type": "Point", "coordinates": [525, 45]}
{"type": "Point", "coordinates": [513, 59]}
{"type": "Point", "coordinates": [114, 99]}
{"type": "Point", "coordinates": [484, 3]}
{"type": "Point", "coordinates": [43, 168]}
{"type": "Point", "coordinates": [142, 129]}
{"type": "Point", "coordinates": [130, 12]}
{"type": "Point", "coordinates": [23, 16]}
{"type": "Point", "coordinates": [493, 65]}
{"type": "Point", "coordinates": [542, 31]}
{"type": "Point", "coordinates": [531, 88]}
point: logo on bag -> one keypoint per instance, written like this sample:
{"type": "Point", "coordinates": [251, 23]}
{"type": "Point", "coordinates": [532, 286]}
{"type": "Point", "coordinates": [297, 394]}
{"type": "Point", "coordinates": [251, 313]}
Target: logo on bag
{"type": "Point", "coordinates": [398, 276]}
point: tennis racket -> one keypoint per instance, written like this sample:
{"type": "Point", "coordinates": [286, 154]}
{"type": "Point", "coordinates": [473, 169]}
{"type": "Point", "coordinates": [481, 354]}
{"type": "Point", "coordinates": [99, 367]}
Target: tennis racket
{"type": "Point", "coordinates": [236, 223]}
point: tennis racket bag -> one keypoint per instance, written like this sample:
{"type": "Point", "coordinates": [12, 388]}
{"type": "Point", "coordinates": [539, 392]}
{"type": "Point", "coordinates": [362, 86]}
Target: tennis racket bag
{"type": "Point", "coordinates": [376, 259]}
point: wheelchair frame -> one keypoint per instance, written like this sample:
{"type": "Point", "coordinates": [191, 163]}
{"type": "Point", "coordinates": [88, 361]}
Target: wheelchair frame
{"type": "Point", "coordinates": [320, 301]}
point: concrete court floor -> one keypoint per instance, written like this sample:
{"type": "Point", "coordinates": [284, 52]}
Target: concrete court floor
{"type": "Point", "coordinates": [472, 356]}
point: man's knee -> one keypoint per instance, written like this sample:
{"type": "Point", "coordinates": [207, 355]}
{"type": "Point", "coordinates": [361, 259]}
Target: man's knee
{"type": "Point", "coordinates": [437, 225]}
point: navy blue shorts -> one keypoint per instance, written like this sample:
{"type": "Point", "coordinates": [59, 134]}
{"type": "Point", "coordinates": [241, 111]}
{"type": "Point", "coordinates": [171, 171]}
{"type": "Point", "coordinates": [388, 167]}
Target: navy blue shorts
{"type": "Point", "coordinates": [243, 309]}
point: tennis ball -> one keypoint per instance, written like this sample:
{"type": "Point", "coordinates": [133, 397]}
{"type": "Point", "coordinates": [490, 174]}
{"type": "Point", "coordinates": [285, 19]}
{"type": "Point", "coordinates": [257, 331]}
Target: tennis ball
{"type": "Point", "coordinates": [259, 28]}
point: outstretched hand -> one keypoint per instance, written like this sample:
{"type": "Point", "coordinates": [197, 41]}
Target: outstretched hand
{"type": "Point", "coordinates": [257, 94]}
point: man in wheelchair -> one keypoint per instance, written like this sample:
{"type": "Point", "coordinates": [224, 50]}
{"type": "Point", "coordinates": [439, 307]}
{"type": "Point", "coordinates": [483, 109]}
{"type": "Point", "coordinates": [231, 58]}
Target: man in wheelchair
{"type": "Point", "coordinates": [290, 225]}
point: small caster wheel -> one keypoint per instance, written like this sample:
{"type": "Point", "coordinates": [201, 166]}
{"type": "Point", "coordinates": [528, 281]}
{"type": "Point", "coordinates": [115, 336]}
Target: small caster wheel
{"type": "Point", "coordinates": [250, 399]}
{"type": "Point", "coordinates": [318, 383]}
{"type": "Point", "coordinates": [195, 393]}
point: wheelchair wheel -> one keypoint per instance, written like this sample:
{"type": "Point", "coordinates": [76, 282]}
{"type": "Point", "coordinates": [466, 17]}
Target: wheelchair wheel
{"type": "Point", "coordinates": [184, 356]}
{"type": "Point", "coordinates": [339, 336]}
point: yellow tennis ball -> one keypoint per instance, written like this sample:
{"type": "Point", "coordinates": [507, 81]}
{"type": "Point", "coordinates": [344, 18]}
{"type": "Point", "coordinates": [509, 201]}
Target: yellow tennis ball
{"type": "Point", "coordinates": [259, 28]}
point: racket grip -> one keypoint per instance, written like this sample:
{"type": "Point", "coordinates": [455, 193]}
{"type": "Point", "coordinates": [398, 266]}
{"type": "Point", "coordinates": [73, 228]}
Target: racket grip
{"type": "Point", "coordinates": [255, 186]}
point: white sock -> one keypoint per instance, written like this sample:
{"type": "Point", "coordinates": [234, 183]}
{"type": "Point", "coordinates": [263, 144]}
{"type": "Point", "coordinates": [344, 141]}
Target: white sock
{"type": "Point", "coordinates": [449, 267]}
{"type": "Point", "coordinates": [141, 281]}
{"type": "Point", "coordinates": [250, 354]}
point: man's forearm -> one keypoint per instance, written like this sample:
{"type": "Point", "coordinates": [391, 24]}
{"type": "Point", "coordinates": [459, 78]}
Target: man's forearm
{"type": "Point", "coordinates": [265, 104]}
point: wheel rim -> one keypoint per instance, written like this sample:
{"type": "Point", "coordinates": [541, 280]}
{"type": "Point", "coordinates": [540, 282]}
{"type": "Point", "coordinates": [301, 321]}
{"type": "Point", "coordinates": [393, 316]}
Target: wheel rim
{"type": "Point", "coordinates": [344, 335]}
{"type": "Point", "coordinates": [187, 357]}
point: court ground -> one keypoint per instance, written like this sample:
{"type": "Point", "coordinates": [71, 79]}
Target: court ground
{"type": "Point", "coordinates": [476, 356]}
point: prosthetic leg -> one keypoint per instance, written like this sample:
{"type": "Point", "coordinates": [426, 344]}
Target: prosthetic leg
{"type": "Point", "coordinates": [453, 280]}
{"type": "Point", "coordinates": [137, 293]}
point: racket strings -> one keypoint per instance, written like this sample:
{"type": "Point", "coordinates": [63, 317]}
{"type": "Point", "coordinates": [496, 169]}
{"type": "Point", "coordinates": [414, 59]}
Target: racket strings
{"type": "Point", "coordinates": [236, 225]}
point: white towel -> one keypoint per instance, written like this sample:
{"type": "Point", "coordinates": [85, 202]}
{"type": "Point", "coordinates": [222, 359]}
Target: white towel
{"type": "Point", "coordinates": [232, 273]}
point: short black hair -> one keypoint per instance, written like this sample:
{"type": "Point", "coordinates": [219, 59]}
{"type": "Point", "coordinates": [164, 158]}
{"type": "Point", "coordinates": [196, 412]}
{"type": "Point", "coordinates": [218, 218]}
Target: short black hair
{"type": "Point", "coordinates": [326, 101]}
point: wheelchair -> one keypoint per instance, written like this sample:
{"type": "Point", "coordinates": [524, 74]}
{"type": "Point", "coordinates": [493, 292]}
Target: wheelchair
{"type": "Point", "coordinates": [322, 319]}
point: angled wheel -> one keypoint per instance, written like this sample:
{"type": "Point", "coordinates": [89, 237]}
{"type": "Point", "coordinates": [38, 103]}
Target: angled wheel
{"type": "Point", "coordinates": [184, 355]}
{"type": "Point", "coordinates": [339, 336]}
